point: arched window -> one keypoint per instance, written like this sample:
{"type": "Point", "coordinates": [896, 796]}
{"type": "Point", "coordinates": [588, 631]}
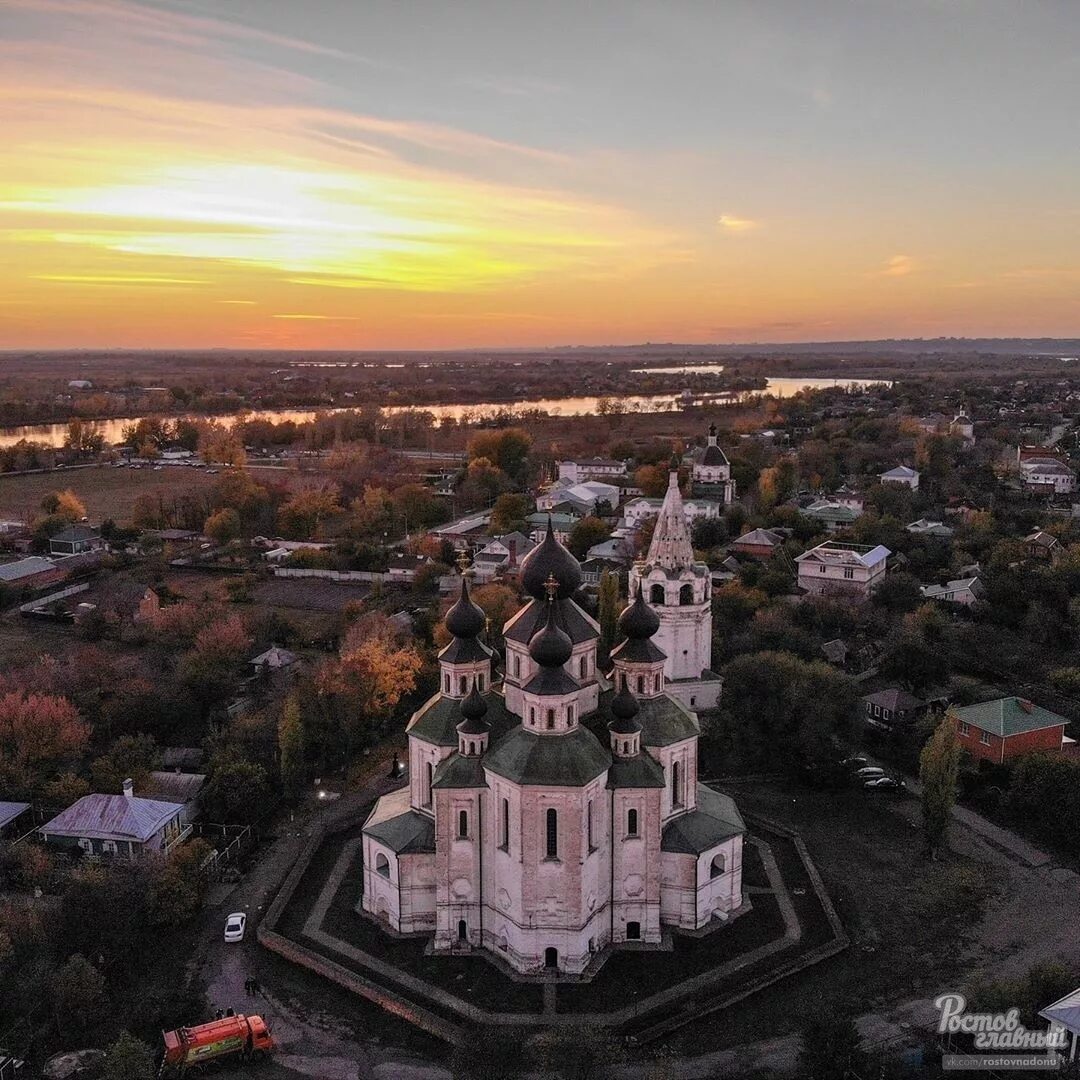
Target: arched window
{"type": "Point", "coordinates": [462, 684]}
{"type": "Point", "coordinates": [552, 834]}
{"type": "Point", "coordinates": [656, 683]}
{"type": "Point", "coordinates": [429, 774]}
{"type": "Point", "coordinates": [718, 865]}
{"type": "Point", "coordinates": [532, 716]}
{"type": "Point", "coordinates": [631, 822]}
{"type": "Point", "coordinates": [480, 683]}
{"type": "Point", "coordinates": [656, 594]}
{"type": "Point", "coordinates": [589, 825]}
{"type": "Point", "coordinates": [462, 930]}
{"type": "Point", "coordinates": [382, 865]}
{"type": "Point", "coordinates": [517, 665]}
{"type": "Point", "coordinates": [583, 667]}
{"type": "Point", "coordinates": [676, 784]}
{"type": "Point", "coordinates": [463, 824]}
{"type": "Point", "coordinates": [570, 715]}
{"type": "Point", "coordinates": [504, 826]}
{"type": "Point", "coordinates": [625, 680]}
{"type": "Point", "coordinates": [641, 684]}
{"type": "Point", "coordinates": [550, 719]}
{"type": "Point", "coordinates": [446, 684]}
{"type": "Point", "coordinates": [686, 594]}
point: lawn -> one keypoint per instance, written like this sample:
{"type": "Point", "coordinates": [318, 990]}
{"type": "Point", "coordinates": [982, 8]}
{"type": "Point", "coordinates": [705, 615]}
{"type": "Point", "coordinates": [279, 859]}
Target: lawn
{"type": "Point", "coordinates": [107, 492]}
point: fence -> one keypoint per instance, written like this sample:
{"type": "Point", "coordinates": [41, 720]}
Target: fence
{"type": "Point", "coordinates": [32, 607]}
{"type": "Point", "coordinates": [345, 575]}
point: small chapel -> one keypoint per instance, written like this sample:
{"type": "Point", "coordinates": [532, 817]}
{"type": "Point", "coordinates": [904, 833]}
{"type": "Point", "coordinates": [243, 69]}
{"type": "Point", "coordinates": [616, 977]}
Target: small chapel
{"type": "Point", "coordinates": [552, 810]}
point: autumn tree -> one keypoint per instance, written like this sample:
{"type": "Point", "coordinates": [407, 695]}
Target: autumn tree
{"type": "Point", "coordinates": [223, 526]}
{"type": "Point", "coordinates": [509, 513]}
{"type": "Point", "coordinates": [939, 766]}
{"type": "Point", "coordinates": [131, 757]}
{"type": "Point", "coordinates": [301, 517]}
{"type": "Point", "coordinates": [587, 532]}
{"type": "Point", "coordinates": [652, 479]}
{"type": "Point", "coordinates": [609, 608]}
{"type": "Point", "coordinates": [237, 792]}
{"type": "Point", "coordinates": [507, 450]}
{"type": "Point", "coordinates": [178, 887]}
{"type": "Point", "coordinates": [38, 734]}
{"type": "Point", "coordinates": [222, 445]}
{"type": "Point", "coordinates": [64, 504]}
{"type": "Point", "coordinates": [290, 735]}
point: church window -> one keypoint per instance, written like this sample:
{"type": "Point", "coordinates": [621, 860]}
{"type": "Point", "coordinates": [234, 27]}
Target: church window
{"type": "Point", "coordinates": [480, 682]}
{"type": "Point", "coordinates": [656, 594]}
{"type": "Point", "coordinates": [382, 865]}
{"type": "Point", "coordinates": [463, 824]}
{"type": "Point", "coordinates": [625, 680]}
{"type": "Point", "coordinates": [583, 666]}
{"type": "Point", "coordinates": [656, 683]}
{"type": "Point", "coordinates": [462, 684]}
{"type": "Point", "coordinates": [686, 594]}
{"type": "Point", "coordinates": [550, 719]}
{"type": "Point", "coordinates": [676, 784]}
{"type": "Point", "coordinates": [570, 715]}
{"type": "Point", "coordinates": [631, 822]}
{"type": "Point", "coordinates": [532, 716]}
{"type": "Point", "coordinates": [589, 826]}
{"type": "Point", "coordinates": [429, 773]}
{"type": "Point", "coordinates": [504, 826]}
{"type": "Point", "coordinates": [641, 684]}
{"type": "Point", "coordinates": [446, 684]}
{"type": "Point", "coordinates": [517, 666]}
{"type": "Point", "coordinates": [462, 930]}
{"type": "Point", "coordinates": [633, 931]}
{"type": "Point", "coordinates": [718, 866]}
{"type": "Point", "coordinates": [552, 834]}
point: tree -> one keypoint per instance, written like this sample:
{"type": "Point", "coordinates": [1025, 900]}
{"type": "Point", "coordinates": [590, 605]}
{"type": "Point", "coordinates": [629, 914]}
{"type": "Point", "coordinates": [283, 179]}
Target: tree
{"type": "Point", "coordinates": [498, 602]}
{"type": "Point", "coordinates": [898, 592]}
{"type": "Point", "coordinates": [507, 449]}
{"type": "Point", "coordinates": [608, 602]}
{"type": "Point", "coordinates": [653, 480]}
{"type": "Point", "coordinates": [587, 532]}
{"type": "Point", "coordinates": [221, 445]}
{"type": "Point", "coordinates": [129, 1058]}
{"type": "Point", "coordinates": [179, 886]}
{"type": "Point", "coordinates": [130, 757]}
{"type": "Point", "coordinates": [237, 792]}
{"type": "Point", "coordinates": [509, 513]}
{"type": "Point", "coordinates": [38, 733]}
{"type": "Point", "coordinates": [919, 653]}
{"type": "Point", "coordinates": [290, 735]}
{"type": "Point", "coordinates": [64, 504]}
{"type": "Point", "coordinates": [831, 1050]}
{"type": "Point", "coordinates": [301, 517]}
{"type": "Point", "coordinates": [223, 526]}
{"type": "Point", "coordinates": [78, 995]}
{"type": "Point", "coordinates": [939, 765]}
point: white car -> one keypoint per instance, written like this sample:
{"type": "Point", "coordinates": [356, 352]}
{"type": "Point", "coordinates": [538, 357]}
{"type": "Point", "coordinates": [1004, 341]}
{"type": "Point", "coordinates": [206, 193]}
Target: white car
{"type": "Point", "coordinates": [235, 925]}
{"type": "Point", "coordinates": [871, 772]}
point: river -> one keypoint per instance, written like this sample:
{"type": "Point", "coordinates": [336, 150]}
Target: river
{"type": "Point", "coordinates": [113, 429]}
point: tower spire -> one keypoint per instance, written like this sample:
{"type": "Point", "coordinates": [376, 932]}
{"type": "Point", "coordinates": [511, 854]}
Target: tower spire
{"type": "Point", "coordinates": [670, 547]}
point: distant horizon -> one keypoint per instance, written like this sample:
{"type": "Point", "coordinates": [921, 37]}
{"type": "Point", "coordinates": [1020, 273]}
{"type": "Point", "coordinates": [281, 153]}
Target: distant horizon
{"type": "Point", "coordinates": [244, 175]}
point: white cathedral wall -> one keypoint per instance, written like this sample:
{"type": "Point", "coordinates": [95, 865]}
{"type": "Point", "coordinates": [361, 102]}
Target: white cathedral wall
{"type": "Point", "coordinates": [690, 896]}
{"type": "Point", "coordinates": [403, 897]}
{"type": "Point", "coordinates": [696, 693]}
{"type": "Point", "coordinates": [635, 864]}
{"type": "Point", "coordinates": [685, 753]}
{"type": "Point", "coordinates": [458, 861]}
{"type": "Point", "coordinates": [520, 668]}
{"type": "Point", "coordinates": [685, 635]}
{"type": "Point", "coordinates": [421, 756]}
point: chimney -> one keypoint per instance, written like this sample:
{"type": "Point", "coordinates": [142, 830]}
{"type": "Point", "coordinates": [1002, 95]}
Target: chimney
{"type": "Point", "coordinates": [512, 545]}
{"type": "Point", "coordinates": [129, 788]}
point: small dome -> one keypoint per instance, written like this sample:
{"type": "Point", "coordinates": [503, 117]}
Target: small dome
{"type": "Point", "coordinates": [465, 619]}
{"type": "Point", "coordinates": [638, 621]}
{"type": "Point", "coordinates": [624, 708]}
{"type": "Point", "coordinates": [551, 646]}
{"type": "Point", "coordinates": [550, 559]}
{"type": "Point", "coordinates": [473, 709]}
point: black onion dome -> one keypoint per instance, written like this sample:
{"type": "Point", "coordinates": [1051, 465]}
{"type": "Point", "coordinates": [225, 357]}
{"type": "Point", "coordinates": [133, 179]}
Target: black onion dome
{"type": "Point", "coordinates": [465, 619]}
{"type": "Point", "coordinates": [550, 559]}
{"type": "Point", "coordinates": [638, 621]}
{"type": "Point", "coordinates": [473, 709]}
{"type": "Point", "coordinates": [551, 646]}
{"type": "Point", "coordinates": [624, 708]}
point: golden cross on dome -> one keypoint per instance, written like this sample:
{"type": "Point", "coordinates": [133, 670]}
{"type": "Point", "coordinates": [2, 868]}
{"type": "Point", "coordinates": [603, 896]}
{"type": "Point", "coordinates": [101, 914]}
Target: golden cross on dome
{"type": "Point", "coordinates": [551, 587]}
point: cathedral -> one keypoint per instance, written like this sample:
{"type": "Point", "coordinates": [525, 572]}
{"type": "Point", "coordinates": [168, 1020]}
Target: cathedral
{"type": "Point", "coordinates": [554, 811]}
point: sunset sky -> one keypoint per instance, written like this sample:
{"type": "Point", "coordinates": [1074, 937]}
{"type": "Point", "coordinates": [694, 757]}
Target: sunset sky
{"type": "Point", "coordinates": [413, 174]}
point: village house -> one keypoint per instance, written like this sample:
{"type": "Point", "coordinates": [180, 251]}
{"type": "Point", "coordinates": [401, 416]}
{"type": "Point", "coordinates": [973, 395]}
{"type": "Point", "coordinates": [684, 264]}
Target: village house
{"type": "Point", "coordinates": [838, 567]}
{"type": "Point", "coordinates": [12, 820]}
{"type": "Point", "coordinates": [578, 470]}
{"type": "Point", "coordinates": [583, 498]}
{"type": "Point", "coordinates": [903, 475]}
{"type": "Point", "coordinates": [926, 527]}
{"type": "Point", "coordinates": [119, 826]}
{"type": "Point", "coordinates": [962, 591]}
{"type": "Point", "coordinates": [1043, 472]}
{"type": "Point", "coordinates": [1041, 545]}
{"type": "Point", "coordinates": [501, 554]}
{"type": "Point", "coordinates": [75, 540]}
{"type": "Point", "coordinates": [832, 515]}
{"type": "Point", "coordinates": [758, 543]}
{"type": "Point", "coordinates": [165, 786]}
{"type": "Point", "coordinates": [890, 708]}
{"type": "Point", "coordinates": [1003, 729]}
{"type": "Point", "coordinates": [33, 572]}
{"type": "Point", "coordinates": [274, 661]}
{"type": "Point", "coordinates": [638, 510]}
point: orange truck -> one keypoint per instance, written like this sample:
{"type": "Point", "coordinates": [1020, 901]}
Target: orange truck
{"type": "Point", "coordinates": [240, 1038]}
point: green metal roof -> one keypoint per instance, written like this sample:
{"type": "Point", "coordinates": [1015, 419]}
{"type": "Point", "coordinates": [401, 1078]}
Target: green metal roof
{"type": "Point", "coordinates": [564, 760]}
{"type": "Point", "coordinates": [1008, 716]}
{"type": "Point", "coordinates": [530, 618]}
{"type": "Point", "coordinates": [664, 721]}
{"type": "Point", "coordinates": [715, 820]}
{"type": "Point", "coordinates": [407, 834]}
{"type": "Point", "coordinates": [437, 719]}
{"type": "Point", "coordinates": [460, 772]}
{"type": "Point", "coordinates": [641, 771]}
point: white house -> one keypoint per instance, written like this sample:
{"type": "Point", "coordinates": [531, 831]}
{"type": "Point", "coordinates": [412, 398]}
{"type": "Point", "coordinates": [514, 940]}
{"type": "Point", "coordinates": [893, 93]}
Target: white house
{"type": "Point", "coordinates": [902, 474]}
{"type": "Point", "coordinates": [638, 510]}
{"type": "Point", "coordinates": [1047, 475]}
{"type": "Point", "coordinates": [522, 833]}
{"type": "Point", "coordinates": [577, 470]}
{"type": "Point", "coordinates": [962, 591]}
{"type": "Point", "coordinates": [926, 527]}
{"type": "Point", "coordinates": [583, 497]}
{"type": "Point", "coordinates": [839, 567]}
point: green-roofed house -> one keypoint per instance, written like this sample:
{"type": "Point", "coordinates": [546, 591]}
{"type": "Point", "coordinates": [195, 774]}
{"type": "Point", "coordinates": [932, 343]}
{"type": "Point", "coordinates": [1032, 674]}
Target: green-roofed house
{"type": "Point", "coordinates": [554, 812]}
{"type": "Point", "coordinates": [1003, 729]}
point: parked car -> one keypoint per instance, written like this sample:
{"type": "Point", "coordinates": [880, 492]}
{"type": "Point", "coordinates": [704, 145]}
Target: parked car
{"type": "Point", "coordinates": [869, 772]}
{"type": "Point", "coordinates": [855, 762]}
{"type": "Point", "coordinates": [235, 925]}
{"type": "Point", "coordinates": [884, 783]}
